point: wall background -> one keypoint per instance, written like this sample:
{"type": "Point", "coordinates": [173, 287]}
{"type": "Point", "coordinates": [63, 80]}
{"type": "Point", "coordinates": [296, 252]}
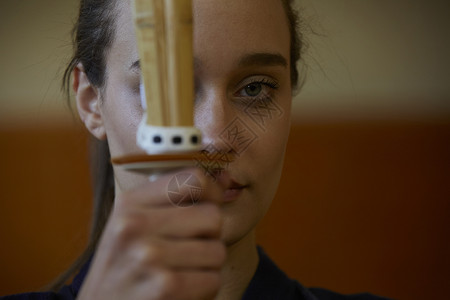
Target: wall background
{"type": "Point", "coordinates": [364, 199]}
{"type": "Point", "coordinates": [369, 58]}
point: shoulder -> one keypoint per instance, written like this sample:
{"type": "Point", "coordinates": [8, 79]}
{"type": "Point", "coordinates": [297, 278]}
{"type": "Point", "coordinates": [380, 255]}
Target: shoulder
{"type": "Point", "coordinates": [323, 294]}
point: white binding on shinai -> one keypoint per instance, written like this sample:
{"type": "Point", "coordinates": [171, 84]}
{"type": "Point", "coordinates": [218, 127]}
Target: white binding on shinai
{"type": "Point", "coordinates": [165, 139]}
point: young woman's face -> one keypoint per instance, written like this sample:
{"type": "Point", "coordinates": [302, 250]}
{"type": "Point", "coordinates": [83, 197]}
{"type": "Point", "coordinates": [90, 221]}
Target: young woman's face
{"type": "Point", "coordinates": [243, 98]}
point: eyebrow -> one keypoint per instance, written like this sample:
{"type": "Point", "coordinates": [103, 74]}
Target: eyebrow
{"type": "Point", "coordinates": [262, 59]}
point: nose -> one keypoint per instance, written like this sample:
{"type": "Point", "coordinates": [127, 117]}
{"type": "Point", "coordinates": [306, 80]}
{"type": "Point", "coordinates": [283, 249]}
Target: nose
{"type": "Point", "coordinates": [212, 115]}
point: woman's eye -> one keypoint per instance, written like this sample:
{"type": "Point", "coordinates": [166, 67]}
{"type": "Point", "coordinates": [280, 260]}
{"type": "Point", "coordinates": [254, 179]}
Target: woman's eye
{"type": "Point", "coordinates": [253, 89]}
{"type": "Point", "coordinates": [257, 87]}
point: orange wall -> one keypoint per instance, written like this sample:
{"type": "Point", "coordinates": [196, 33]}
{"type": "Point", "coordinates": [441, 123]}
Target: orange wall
{"type": "Point", "coordinates": [362, 205]}
{"type": "Point", "coordinates": [365, 206]}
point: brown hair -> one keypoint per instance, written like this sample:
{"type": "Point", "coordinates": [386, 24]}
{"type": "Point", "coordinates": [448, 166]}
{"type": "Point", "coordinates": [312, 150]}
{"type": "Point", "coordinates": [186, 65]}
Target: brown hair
{"type": "Point", "coordinates": [93, 35]}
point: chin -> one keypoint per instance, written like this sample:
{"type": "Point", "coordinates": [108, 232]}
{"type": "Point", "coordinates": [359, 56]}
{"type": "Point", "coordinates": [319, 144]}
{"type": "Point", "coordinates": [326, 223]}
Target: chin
{"type": "Point", "coordinates": [240, 219]}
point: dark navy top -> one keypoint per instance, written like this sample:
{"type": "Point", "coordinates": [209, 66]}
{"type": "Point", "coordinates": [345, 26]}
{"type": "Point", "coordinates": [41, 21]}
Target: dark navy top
{"type": "Point", "coordinates": [268, 283]}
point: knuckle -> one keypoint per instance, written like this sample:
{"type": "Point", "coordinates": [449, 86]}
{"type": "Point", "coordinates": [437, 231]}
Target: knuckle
{"type": "Point", "coordinates": [122, 230]}
{"type": "Point", "coordinates": [167, 285]}
{"type": "Point", "coordinates": [148, 254]}
{"type": "Point", "coordinates": [153, 255]}
{"type": "Point", "coordinates": [126, 227]}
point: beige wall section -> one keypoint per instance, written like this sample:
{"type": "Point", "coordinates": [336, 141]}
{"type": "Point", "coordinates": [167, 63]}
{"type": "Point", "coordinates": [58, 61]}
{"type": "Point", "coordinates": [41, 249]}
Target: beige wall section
{"type": "Point", "coordinates": [383, 56]}
{"type": "Point", "coordinates": [388, 57]}
{"type": "Point", "coordinates": [35, 44]}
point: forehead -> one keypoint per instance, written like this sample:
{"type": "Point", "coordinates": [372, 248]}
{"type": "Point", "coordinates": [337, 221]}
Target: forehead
{"type": "Point", "coordinates": [234, 28]}
{"type": "Point", "coordinates": [222, 28]}
{"type": "Point", "coordinates": [249, 23]}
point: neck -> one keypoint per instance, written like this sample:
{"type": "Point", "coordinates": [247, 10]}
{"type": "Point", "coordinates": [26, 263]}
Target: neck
{"type": "Point", "coordinates": [240, 266]}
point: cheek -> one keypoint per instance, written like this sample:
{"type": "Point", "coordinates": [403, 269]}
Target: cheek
{"type": "Point", "coordinates": [271, 147]}
{"type": "Point", "coordinates": [273, 127]}
{"type": "Point", "coordinates": [267, 153]}
{"type": "Point", "coordinates": [122, 114]}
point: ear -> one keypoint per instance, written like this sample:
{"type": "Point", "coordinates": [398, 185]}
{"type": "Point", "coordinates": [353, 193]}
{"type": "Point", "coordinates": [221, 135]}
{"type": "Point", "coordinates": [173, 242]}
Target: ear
{"type": "Point", "coordinates": [88, 103]}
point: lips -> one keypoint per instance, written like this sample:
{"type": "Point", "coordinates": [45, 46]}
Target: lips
{"type": "Point", "coordinates": [232, 187]}
{"type": "Point", "coordinates": [233, 192]}
{"type": "Point", "coordinates": [235, 186]}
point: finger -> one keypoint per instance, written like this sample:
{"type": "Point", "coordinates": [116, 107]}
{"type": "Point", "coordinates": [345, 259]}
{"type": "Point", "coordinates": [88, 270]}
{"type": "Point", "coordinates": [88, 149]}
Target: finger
{"type": "Point", "coordinates": [201, 221]}
{"type": "Point", "coordinates": [183, 188]}
{"type": "Point", "coordinates": [195, 254]}
{"type": "Point", "coordinates": [179, 254]}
